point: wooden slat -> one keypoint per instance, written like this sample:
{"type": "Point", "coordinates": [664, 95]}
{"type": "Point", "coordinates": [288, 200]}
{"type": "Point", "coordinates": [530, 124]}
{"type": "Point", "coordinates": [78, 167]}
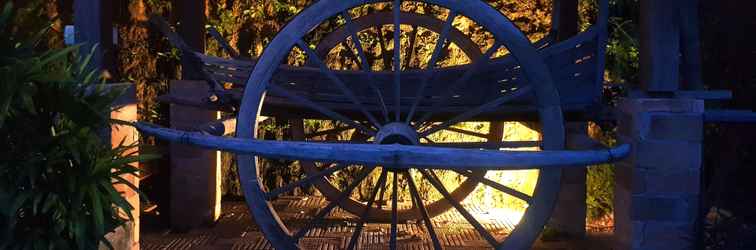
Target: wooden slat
{"type": "Point", "coordinates": [730, 116]}
{"type": "Point", "coordinates": [705, 94]}
{"type": "Point", "coordinates": [222, 42]}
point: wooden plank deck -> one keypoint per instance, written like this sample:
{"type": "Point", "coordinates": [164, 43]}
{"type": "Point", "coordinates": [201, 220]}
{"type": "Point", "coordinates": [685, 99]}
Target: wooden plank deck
{"type": "Point", "coordinates": [236, 230]}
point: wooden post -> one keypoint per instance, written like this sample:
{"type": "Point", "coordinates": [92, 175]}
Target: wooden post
{"type": "Point", "coordinates": [195, 194]}
{"type": "Point", "coordinates": [692, 69]}
{"type": "Point", "coordinates": [191, 15]}
{"type": "Point", "coordinates": [93, 20]}
{"type": "Point", "coordinates": [670, 46]}
{"type": "Point", "coordinates": [195, 172]}
{"type": "Point", "coordinates": [659, 46]}
{"type": "Point", "coordinates": [565, 18]}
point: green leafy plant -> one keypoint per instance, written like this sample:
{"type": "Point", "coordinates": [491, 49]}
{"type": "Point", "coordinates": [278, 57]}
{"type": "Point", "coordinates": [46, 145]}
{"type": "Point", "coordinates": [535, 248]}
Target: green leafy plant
{"type": "Point", "coordinates": [600, 191]}
{"type": "Point", "coordinates": [623, 53]}
{"type": "Point", "coordinates": [57, 175]}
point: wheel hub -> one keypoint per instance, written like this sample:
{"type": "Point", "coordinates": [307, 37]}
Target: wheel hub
{"type": "Point", "coordinates": [397, 133]}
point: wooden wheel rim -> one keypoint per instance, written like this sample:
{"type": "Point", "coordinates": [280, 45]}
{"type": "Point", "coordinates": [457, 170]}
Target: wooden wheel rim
{"type": "Point", "coordinates": [503, 30]}
{"type": "Point", "coordinates": [384, 18]}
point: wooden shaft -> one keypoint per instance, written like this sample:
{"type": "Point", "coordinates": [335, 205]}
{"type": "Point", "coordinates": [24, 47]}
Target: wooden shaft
{"type": "Point", "coordinates": [399, 156]}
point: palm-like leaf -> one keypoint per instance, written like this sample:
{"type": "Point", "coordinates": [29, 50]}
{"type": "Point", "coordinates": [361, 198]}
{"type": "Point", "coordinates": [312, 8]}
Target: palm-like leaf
{"type": "Point", "coordinates": [57, 175]}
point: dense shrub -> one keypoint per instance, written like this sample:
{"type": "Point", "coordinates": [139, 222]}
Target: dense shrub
{"type": "Point", "coordinates": [56, 172]}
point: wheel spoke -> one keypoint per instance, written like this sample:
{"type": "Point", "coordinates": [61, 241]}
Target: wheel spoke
{"type": "Point", "coordinates": [384, 49]}
{"type": "Point", "coordinates": [397, 60]}
{"type": "Point", "coordinates": [332, 204]}
{"type": "Point", "coordinates": [411, 48]}
{"type": "Point", "coordinates": [497, 186]}
{"type": "Point", "coordinates": [360, 225]}
{"type": "Point", "coordinates": [326, 111]}
{"type": "Point", "coordinates": [462, 80]}
{"type": "Point", "coordinates": [428, 139]}
{"type": "Point", "coordinates": [436, 183]}
{"type": "Point", "coordinates": [349, 53]}
{"type": "Point", "coordinates": [423, 126]}
{"type": "Point", "coordinates": [381, 196]}
{"type": "Point", "coordinates": [480, 109]}
{"type": "Point", "coordinates": [394, 211]}
{"type": "Point", "coordinates": [418, 202]}
{"type": "Point", "coordinates": [467, 132]}
{"type": "Point", "coordinates": [364, 64]}
{"type": "Point", "coordinates": [327, 132]}
{"type": "Point", "coordinates": [430, 70]}
{"type": "Point", "coordinates": [300, 183]}
{"type": "Point", "coordinates": [313, 56]}
{"type": "Point", "coordinates": [356, 39]}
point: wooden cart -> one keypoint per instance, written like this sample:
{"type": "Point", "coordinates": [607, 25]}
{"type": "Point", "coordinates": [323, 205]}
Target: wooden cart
{"type": "Point", "coordinates": [392, 104]}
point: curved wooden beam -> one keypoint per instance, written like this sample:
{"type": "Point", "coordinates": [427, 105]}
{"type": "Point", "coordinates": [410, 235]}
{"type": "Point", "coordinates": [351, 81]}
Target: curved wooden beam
{"type": "Point", "coordinates": [397, 156]}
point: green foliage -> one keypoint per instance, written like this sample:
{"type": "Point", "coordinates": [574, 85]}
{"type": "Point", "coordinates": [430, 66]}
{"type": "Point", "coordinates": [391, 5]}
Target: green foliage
{"type": "Point", "coordinates": [622, 53]}
{"type": "Point", "coordinates": [600, 191]}
{"type": "Point", "coordinates": [56, 173]}
{"type": "Point", "coordinates": [600, 179]}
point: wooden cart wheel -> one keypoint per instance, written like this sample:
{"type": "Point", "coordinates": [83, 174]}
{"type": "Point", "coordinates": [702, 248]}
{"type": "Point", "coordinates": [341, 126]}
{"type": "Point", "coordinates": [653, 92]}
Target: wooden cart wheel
{"type": "Point", "coordinates": [410, 117]}
{"type": "Point", "coordinates": [373, 21]}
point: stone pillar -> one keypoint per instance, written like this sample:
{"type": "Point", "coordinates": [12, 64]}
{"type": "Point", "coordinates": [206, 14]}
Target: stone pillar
{"type": "Point", "coordinates": [657, 189]}
{"type": "Point", "coordinates": [195, 172]}
{"type": "Point", "coordinates": [570, 211]}
{"type": "Point", "coordinates": [126, 237]}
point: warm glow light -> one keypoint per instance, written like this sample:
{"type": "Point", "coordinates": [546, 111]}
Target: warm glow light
{"type": "Point", "coordinates": [499, 204]}
{"type": "Point", "coordinates": [504, 214]}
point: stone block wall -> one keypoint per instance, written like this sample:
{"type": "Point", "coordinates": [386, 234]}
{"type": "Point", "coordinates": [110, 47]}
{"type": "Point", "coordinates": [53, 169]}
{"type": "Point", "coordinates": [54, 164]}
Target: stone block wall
{"type": "Point", "coordinates": [657, 192]}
